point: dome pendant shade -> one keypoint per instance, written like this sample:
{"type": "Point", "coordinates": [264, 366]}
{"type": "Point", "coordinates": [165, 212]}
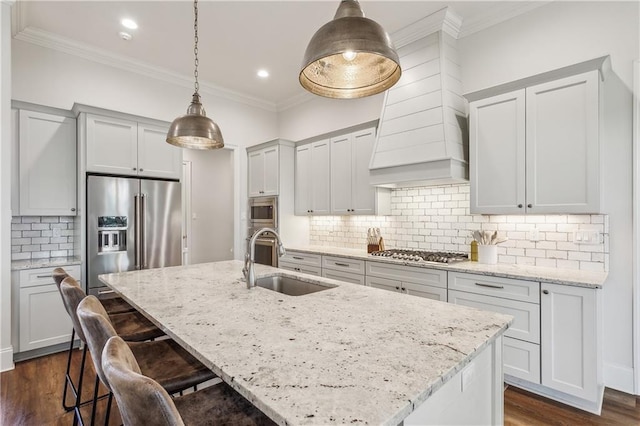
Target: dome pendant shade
{"type": "Point", "coordinates": [350, 57]}
{"type": "Point", "coordinates": [195, 130]}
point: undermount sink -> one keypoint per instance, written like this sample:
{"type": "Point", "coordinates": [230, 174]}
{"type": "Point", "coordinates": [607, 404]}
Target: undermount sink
{"type": "Point", "coordinates": [290, 286]}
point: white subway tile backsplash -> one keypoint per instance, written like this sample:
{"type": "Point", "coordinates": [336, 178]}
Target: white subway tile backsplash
{"type": "Point", "coordinates": [438, 218]}
{"type": "Point", "coordinates": [32, 237]}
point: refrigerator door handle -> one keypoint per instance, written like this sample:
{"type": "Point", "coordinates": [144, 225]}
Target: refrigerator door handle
{"type": "Point", "coordinates": [143, 234]}
{"type": "Point", "coordinates": [138, 233]}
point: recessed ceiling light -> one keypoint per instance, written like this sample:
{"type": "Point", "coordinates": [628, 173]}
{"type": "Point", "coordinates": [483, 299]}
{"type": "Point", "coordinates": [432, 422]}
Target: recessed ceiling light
{"type": "Point", "coordinates": [129, 23]}
{"type": "Point", "coordinates": [263, 73]}
{"type": "Point", "coordinates": [124, 36]}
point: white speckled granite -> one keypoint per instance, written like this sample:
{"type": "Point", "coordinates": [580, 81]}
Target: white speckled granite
{"type": "Point", "coordinates": [44, 263]}
{"type": "Point", "coordinates": [350, 354]}
{"type": "Point", "coordinates": [571, 277]}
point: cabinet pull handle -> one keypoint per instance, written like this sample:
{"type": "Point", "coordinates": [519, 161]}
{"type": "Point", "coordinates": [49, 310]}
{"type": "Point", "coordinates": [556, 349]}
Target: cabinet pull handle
{"type": "Point", "coordinates": [519, 206]}
{"type": "Point", "coordinates": [529, 206]}
{"type": "Point", "coordinates": [298, 257]}
{"type": "Point", "coordinates": [105, 291]}
{"type": "Point", "coordinates": [44, 276]}
{"type": "Point", "coordinates": [545, 291]}
{"type": "Point", "coordinates": [346, 265]}
{"type": "Point", "coordinates": [489, 285]}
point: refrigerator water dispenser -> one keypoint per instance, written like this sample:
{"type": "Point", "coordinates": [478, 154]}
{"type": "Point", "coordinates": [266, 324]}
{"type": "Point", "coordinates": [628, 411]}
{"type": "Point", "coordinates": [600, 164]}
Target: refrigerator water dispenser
{"type": "Point", "coordinates": [112, 234]}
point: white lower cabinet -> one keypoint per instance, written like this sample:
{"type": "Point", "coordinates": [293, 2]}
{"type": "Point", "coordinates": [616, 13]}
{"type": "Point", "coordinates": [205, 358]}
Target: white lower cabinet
{"type": "Point", "coordinates": [570, 334]}
{"type": "Point", "coordinates": [343, 269]}
{"type": "Point", "coordinates": [41, 318]}
{"type": "Point", "coordinates": [521, 359]}
{"type": "Point", "coordinates": [307, 263]}
{"type": "Point", "coordinates": [416, 281]}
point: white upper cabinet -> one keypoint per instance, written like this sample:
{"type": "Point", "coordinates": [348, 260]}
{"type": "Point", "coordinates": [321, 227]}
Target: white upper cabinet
{"type": "Point", "coordinates": [128, 147]}
{"type": "Point", "coordinates": [263, 171]}
{"type": "Point", "coordinates": [563, 159]}
{"type": "Point", "coordinates": [537, 149]}
{"type": "Point", "coordinates": [47, 164]}
{"type": "Point", "coordinates": [351, 191]}
{"type": "Point", "coordinates": [312, 178]}
{"type": "Point", "coordinates": [157, 158]}
{"type": "Point", "coordinates": [497, 168]}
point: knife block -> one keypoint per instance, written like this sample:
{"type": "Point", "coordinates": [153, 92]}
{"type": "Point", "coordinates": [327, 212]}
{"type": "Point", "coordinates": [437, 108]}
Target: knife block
{"type": "Point", "coordinates": [372, 247]}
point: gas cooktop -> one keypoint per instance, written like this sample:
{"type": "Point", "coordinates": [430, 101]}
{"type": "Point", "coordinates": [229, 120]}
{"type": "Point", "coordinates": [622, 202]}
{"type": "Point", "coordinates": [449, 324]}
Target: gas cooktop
{"type": "Point", "coordinates": [423, 256]}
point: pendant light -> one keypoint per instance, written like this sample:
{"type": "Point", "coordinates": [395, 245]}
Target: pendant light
{"type": "Point", "coordinates": [195, 130]}
{"type": "Point", "coordinates": [350, 57]}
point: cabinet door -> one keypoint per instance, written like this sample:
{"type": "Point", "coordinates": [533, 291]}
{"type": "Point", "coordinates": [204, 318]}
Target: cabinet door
{"type": "Point", "coordinates": [341, 172]}
{"type": "Point", "coordinates": [320, 177]}
{"type": "Point", "coordinates": [362, 192]}
{"type": "Point", "coordinates": [112, 145]}
{"type": "Point", "coordinates": [303, 180]}
{"type": "Point", "coordinates": [383, 283]}
{"type": "Point", "coordinates": [271, 170]}
{"type": "Point", "coordinates": [157, 158]}
{"type": "Point", "coordinates": [562, 146]}
{"type": "Point", "coordinates": [48, 170]}
{"type": "Point", "coordinates": [420, 290]}
{"type": "Point", "coordinates": [256, 173]}
{"type": "Point", "coordinates": [497, 154]}
{"type": "Point", "coordinates": [569, 339]}
{"type": "Point", "coordinates": [43, 318]}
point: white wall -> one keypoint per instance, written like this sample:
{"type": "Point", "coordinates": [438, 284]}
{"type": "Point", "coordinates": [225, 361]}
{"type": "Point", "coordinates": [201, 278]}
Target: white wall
{"type": "Point", "coordinates": [322, 115]}
{"type": "Point", "coordinates": [6, 350]}
{"type": "Point", "coordinates": [550, 37]}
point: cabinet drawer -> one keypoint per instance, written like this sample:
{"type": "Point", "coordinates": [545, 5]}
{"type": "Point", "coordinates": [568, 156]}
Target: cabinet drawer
{"type": "Point", "coordinates": [526, 291]}
{"type": "Point", "coordinates": [343, 264]}
{"type": "Point", "coordinates": [302, 258]}
{"type": "Point", "coordinates": [43, 276]}
{"type": "Point", "coordinates": [526, 316]}
{"type": "Point", "coordinates": [411, 274]}
{"type": "Point", "coordinates": [349, 277]}
{"type": "Point", "coordinates": [311, 270]}
{"type": "Point", "coordinates": [521, 359]}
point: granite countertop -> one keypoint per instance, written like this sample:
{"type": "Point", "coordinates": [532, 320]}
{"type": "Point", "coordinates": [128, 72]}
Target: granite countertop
{"type": "Point", "coordinates": [48, 262]}
{"type": "Point", "coordinates": [350, 354]}
{"type": "Point", "coordinates": [589, 279]}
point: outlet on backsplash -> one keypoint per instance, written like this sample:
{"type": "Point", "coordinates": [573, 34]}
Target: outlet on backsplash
{"type": "Point", "coordinates": [438, 219]}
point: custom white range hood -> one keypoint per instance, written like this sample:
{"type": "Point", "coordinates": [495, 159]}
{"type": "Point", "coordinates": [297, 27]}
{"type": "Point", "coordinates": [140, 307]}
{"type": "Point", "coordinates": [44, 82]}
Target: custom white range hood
{"type": "Point", "coordinates": [422, 137]}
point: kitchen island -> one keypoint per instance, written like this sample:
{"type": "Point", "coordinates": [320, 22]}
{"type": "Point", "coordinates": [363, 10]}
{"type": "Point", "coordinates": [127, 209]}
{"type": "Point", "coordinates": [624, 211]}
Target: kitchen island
{"type": "Point", "coordinates": [346, 355]}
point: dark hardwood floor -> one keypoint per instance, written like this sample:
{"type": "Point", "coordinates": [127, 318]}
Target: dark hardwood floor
{"type": "Point", "coordinates": [31, 395]}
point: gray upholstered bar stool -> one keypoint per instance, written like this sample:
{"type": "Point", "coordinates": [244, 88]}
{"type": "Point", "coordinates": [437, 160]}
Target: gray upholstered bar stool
{"type": "Point", "coordinates": [164, 360]}
{"type": "Point", "coordinates": [131, 326]}
{"type": "Point", "coordinates": [142, 401]}
{"type": "Point", "coordinates": [112, 306]}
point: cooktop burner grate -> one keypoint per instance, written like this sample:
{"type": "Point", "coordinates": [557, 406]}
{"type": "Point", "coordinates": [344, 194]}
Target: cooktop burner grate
{"type": "Point", "coordinates": [423, 256]}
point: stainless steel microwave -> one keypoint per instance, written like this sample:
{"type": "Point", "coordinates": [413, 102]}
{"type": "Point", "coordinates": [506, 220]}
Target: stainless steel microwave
{"type": "Point", "coordinates": [263, 212]}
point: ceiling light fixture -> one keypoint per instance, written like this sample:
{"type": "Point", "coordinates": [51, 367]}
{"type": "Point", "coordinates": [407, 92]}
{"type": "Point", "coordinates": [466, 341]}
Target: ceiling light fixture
{"type": "Point", "coordinates": [350, 57]}
{"type": "Point", "coordinates": [263, 73]}
{"type": "Point", "coordinates": [195, 130]}
{"type": "Point", "coordinates": [129, 23]}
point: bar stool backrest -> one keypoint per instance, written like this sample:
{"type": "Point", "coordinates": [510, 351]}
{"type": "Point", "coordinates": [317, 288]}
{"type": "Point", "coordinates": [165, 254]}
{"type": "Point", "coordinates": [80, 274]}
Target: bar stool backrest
{"type": "Point", "coordinates": [141, 400]}
{"type": "Point", "coordinates": [97, 328]}
{"type": "Point", "coordinates": [58, 275]}
{"type": "Point", "coordinates": [72, 295]}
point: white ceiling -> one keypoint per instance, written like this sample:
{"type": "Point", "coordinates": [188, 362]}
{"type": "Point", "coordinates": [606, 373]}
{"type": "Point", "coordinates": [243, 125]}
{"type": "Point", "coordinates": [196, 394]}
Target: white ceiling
{"type": "Point", "coordinates": [236, 38]}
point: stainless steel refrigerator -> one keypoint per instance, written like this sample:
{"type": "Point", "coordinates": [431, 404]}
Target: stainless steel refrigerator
{"type": "Point", "coordinates": [131, 224]}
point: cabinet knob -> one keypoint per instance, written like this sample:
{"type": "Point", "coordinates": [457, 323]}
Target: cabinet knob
{"type": "Point", "coordinates": [73, 209]}
{"type": "Point", "coordinates": [397, 288]}
{"type": "Point", "coordinates": [545, 291]}
{"type": "Point", "coordinates": [134, 168]}
{"type": "Point", "coordinates": [529, 206]}
{"type": "Point", "coordinates": [142, 170]}
{"type": "Point", "coordinates": [519, 206]}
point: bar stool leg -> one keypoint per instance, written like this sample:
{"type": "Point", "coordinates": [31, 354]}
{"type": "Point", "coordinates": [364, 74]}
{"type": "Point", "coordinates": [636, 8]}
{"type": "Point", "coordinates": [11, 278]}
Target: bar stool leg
{"type": "Point", "coordinates": [77, 419]}
{"type": "Point", "coordinates": [67, 377]}
{"type": "Point", "coordinates": [107, 415]}
{"type": "Point", "coordinates": [95, 400]}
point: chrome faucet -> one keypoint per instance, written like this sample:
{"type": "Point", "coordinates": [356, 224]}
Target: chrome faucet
{"type": "Point", "coordinates": [250, 255]}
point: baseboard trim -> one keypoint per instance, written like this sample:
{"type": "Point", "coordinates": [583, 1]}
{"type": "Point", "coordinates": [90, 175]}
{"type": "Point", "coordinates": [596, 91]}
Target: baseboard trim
{"type": "Point", "coordinates": [591, 406]}
{"type": "Point", "coordinates": [6, 359]}
{"type": "Point", "coordinates": [619, 377]}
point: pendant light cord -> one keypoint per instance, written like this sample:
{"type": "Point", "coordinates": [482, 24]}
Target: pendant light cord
{"type": "Point", "coordinates": [195, 48]}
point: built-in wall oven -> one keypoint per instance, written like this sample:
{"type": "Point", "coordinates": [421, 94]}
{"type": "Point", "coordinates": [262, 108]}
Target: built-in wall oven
{"type": "Point", "coordinates": [263, 213]}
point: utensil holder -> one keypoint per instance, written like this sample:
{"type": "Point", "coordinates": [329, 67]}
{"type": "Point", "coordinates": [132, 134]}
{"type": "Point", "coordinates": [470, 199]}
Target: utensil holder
{"type": "Point", "coordinates": [372, 247]}
{"type": "Point", "coordinates": [488, 254]}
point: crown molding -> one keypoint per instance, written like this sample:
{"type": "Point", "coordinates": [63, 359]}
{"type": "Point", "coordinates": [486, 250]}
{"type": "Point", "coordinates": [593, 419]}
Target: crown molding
{"type": "Point", "coordinates": [497, 14]}
{"type": "Point", "coordinates": [295, 100]}
{"type": "Point", "coordinates": [444, 19]}
{"type": "Point", "coordinates": [18, 16]}
{"type": "Point", "coordinates": [91, 53]}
